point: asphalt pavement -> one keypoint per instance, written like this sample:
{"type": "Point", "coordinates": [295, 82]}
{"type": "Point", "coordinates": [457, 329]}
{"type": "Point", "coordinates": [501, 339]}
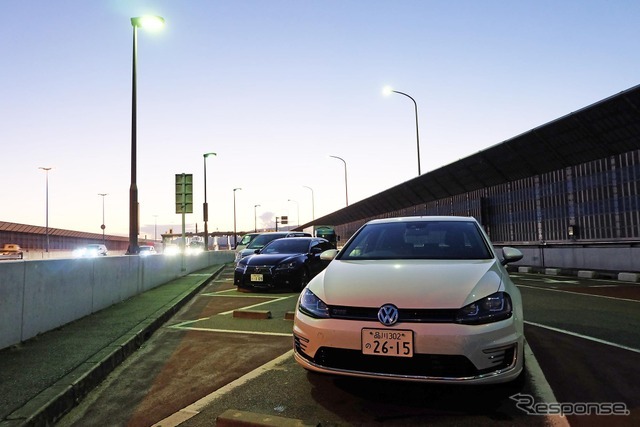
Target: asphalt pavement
{"type": "Point", "coordinates": [43, 378]}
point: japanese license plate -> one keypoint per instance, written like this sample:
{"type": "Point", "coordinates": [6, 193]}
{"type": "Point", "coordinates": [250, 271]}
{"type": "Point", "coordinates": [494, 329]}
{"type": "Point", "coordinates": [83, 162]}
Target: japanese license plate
{"type": "Point", "coordinates": [387, 342]}
{"type": "Point", "coordinates": [256, 277]}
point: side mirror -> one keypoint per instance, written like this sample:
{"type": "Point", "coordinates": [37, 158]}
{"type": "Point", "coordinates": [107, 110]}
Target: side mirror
{"type": "Point", "coordinates": [328, 255]}
{"type": "Point", "coordinates": [510, 255]}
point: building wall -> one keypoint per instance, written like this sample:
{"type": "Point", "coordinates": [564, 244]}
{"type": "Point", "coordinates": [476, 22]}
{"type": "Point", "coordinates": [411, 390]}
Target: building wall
{"type": "Point", "coordinates": [587, 205]}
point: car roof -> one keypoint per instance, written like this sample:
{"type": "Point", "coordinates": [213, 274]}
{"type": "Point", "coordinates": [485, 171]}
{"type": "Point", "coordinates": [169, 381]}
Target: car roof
{"type": "Point", "coordinates": [423, 219]}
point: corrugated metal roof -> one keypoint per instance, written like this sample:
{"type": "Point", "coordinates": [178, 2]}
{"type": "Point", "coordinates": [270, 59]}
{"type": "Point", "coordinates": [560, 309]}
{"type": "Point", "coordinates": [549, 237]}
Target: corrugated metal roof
{"type": "Point", "coordinates": [608, 127]}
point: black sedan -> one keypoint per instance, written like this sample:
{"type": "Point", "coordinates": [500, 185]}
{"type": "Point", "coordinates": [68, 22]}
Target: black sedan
{"type": "Point", "coordinates": [287, 263]}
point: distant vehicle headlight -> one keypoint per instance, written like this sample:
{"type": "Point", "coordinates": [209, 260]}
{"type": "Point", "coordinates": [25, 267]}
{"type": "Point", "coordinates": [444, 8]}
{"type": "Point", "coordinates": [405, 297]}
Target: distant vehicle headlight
{"type": "Point", "coordinates": [490, 309]}
{"type": "Point", "coordinates": [313, 306]}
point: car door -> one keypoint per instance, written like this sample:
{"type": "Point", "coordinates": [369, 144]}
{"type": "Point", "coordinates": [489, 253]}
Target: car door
{"type": "Point", "coordinates": [316, 265]}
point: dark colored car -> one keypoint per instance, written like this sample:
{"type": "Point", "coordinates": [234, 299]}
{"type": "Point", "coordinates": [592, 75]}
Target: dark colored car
{"type": "Point", "coordinates": [286, 263]}
{"type": "Point", "coordinates": [262, 239]}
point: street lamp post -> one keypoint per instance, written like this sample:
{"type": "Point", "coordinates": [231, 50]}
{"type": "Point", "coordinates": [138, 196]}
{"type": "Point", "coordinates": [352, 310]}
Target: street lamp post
{"type": "Point", "coordinates": [205, 206]}
{"type": "Point", "coordinates": [235, 237]}
{"type": "Point", "coordinates": [313, 204]}
{"type": "Point", "coordinates": [155, 228]}
{"type": "Point", "coordinates": [144, 22]}
{"type": "Point", "coordinates": [46, 170]}
{"type": "Point", "coordinates": [255, 218]}
{"type": "Point", "coordinates": [387, 91]}
{"type": "Point", "coordinates": [298, 213]}
{"type": "Point", "coordinates": [103, 226]}
{"type": "Point", "coordinates": [346, 189]}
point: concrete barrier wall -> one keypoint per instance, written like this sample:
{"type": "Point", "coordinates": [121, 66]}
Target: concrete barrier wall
{"type": "Point", "coordinates": [614, 259]}
{"type": "Point", "coordinates": [38, 296]}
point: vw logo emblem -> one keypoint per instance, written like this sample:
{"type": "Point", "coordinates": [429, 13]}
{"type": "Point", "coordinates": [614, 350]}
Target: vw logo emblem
{"type": "Point", "coordinates": [388, 314]}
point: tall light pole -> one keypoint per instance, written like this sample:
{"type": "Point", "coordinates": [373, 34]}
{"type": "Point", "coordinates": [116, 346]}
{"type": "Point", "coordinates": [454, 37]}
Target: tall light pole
{"type": "Point", "coordinates": [46, 170]}
{"type": "Point", "coordinates": [151, 22]}
{"type": "Point", "coordinates": [255, 218]}
{"type": "Point", "coordinates": [235, 237]}
{"type": "Point", "coordinates": [155, 228]}
{"type": "Point", "coordinates": [313, 204]}
{"type": "Point", "coordinates": [103, 226]}
{"type": "Point", "coordinates": [205, 206]}
{"type": "Point", "coordinates": [346, 189]}
{"type": "Point", "coordinates": [387, 91]}
{"type": "Point", "coordinates": [298, 214]}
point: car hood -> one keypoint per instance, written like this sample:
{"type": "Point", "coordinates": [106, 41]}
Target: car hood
{"type": "Point", "coordinates": [409, 283]}
{"type": "Point", "coordinates": [270, 259]}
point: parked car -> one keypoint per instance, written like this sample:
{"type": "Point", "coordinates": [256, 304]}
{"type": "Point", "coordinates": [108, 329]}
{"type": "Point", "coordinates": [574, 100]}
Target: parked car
{"type": "Point", "coordinates": [282, 263]}
{"type": "Point", "coordinates": [11, 251]}
{"type": "Point", "coordinates": [259, 241]}
{"type": "Point", "coordinates": [145, 250]}
{"type": "Point", "coordinates": [415, 299]}
{"type": "Point", "coordinates": [91, 250]}
{"type": "Point", "coordinates": [245, 240]}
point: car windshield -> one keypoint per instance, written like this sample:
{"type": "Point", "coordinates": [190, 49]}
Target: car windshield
{"type": "Point", "coordinates": [287, 246]}
{"type": "Point", "coordinates": [418, 240]}
{"type": "Point", "coordinates": [246, 239]}
{"type": "Point", "coordinates": [263, 239]}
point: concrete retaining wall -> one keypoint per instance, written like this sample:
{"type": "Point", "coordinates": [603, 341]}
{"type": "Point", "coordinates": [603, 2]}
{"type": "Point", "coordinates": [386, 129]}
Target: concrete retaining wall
{"type": "Point", "coordinates": [38, 296]}
{"type": "Point", "coordinates": [613, 259]}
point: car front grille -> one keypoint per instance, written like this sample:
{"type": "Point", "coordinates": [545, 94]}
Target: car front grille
{"type": "Point", "coordinates": [404, 315]}
{"type": "Point", "coordinates": [418, 366]}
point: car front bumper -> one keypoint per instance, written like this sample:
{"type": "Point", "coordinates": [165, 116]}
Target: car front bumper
{"type": "Point", "coordinates": [443, 352]}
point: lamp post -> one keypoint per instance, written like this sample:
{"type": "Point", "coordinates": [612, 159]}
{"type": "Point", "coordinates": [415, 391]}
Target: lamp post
{"type": "Point", "coordinates": [255, 218]}
{"type": "Point", "coordinates": [387, 91]}
{"type": "Point", "coordinates": [298, 214]}
{"type": "Point", "coordinates": [155, 228]}
{"type": "Point", "coordinates": [235, 237]}
{"type": "Point", "coordinates": [150, 22]}
{"type": "Point", "coordinates": [103, 226]}
{"type": "Point", "coordinates": [346, 190]}
{"type": "Point", "coordinates": [205, 206]}
{"type": "Point", "coordinates": [46, 170]}
{"type": "Point", "coordinates": [313, 204]}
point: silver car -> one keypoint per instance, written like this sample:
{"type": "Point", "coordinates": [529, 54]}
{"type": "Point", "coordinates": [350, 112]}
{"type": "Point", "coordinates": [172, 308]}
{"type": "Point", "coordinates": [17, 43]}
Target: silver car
{"type": "Point", "coordinates": [417, 299]}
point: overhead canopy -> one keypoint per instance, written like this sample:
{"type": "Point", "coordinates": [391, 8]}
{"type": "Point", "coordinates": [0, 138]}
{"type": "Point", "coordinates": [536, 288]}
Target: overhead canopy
{"type": "Point", "coordinates": [606, 128]}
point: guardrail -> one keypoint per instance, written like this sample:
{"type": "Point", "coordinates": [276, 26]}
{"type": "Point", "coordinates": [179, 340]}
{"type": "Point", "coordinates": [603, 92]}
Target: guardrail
{"type": "Point", "coordinates": [38, 296]}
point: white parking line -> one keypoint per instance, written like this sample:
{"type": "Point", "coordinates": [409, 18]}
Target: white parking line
{"type": "Point", "coordinates": [576, 293]}
{"type": "Point", "coordinates": [230, 331]}
{"type": "Point", "coordinates": [586, 337]}
{"type": "Point", "coordinates": [258, 305]}
{"type": "Point", "coordinates": [194, 409]}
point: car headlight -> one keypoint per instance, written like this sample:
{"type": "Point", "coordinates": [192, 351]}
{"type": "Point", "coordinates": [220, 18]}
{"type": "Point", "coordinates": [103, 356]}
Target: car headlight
{"type": "Point", "coordinates": [313, 306]}
{"type": "Point", "coordinates": [490, 309]}
{"type": "Point", "coordinates": [286, 266]}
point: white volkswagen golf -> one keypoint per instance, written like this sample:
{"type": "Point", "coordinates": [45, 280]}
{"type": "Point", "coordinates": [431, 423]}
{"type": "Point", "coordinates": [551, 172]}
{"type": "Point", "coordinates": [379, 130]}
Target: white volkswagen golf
{"type": "Point", "coordinates": [417, 299]}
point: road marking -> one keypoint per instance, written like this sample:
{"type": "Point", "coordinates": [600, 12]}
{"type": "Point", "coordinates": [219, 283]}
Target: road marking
{"type": "Point", "coordinates": [195, 408]}
{"type": "Point", "coordinates": [575, 334]}
{"type": "Point", "coordinates": [230, 331]}
{"type": "Point", "coordinates": [257, 305]}
{"type": "Point", "coordinates": [577, 293]}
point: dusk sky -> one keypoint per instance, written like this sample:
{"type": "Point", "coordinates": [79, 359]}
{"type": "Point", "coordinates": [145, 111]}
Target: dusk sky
{"type": "Point", "coordinates": [274, 88]}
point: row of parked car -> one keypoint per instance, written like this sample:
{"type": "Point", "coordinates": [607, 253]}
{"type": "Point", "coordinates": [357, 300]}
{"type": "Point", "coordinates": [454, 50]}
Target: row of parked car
{"type": "Point", "coordinates": [415, 298]}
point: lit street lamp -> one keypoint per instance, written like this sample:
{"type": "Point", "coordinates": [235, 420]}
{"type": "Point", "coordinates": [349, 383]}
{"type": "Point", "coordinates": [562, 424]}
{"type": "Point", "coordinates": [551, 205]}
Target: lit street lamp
{"type": "Point", "coordinates": [387, 91]}
{"type": "Point", "coordinates": [255, 218]}
{"type": "Point", "coordinates": [150, 22]}
{"type": "Point", "coordinates": [298, 214]}
{"type": "Point", "coordinates": [46, 205]}
{"type": "Point", "coordinates": [103, 226]}
{"type": "Point", "coordinates": [235, 237]}
{"type": "Point", "coordinates": [313, 204]}
{"type": "Point", "coordinates": [205, 206]}
{"type": "Point", "coordinates": [346, 190]}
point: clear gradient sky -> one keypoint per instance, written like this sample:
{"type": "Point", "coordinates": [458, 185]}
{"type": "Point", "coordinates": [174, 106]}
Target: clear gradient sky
{"type": "Point", "coordinates": [274, 87]}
